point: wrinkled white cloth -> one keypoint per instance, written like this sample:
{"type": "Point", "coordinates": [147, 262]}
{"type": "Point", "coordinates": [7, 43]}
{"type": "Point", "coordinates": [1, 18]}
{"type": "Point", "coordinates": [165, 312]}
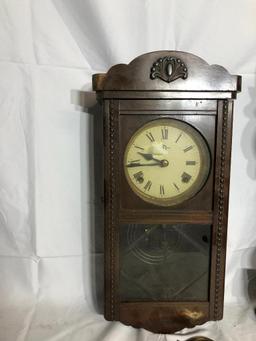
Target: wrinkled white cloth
{"type": "Point", "coordinates": [50, 258]}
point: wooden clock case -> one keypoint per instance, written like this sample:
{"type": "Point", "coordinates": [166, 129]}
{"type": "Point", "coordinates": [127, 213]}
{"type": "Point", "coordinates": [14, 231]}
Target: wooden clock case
{"type": "Point", "coordinates": [158, 85]}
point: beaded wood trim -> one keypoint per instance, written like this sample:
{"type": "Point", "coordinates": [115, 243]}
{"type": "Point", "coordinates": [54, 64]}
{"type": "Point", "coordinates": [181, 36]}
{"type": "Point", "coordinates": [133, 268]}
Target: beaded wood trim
{"type": "Point", "coordinates": [113, 183]}
{"type": "Point", "coordinates": [220, 218]}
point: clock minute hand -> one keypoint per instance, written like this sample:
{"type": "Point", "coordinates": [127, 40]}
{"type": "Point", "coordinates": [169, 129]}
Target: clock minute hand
{"type": "Point", "coordinates": [137, 164]}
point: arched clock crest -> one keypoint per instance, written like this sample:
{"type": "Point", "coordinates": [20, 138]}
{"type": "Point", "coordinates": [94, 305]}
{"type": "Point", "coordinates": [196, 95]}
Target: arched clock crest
{"type": "Point", "coordinates": [167, 153]}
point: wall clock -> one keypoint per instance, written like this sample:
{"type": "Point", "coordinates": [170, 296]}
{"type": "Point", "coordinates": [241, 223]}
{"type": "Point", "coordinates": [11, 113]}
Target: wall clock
{"type": "Point", "coordinates": [167, 143]}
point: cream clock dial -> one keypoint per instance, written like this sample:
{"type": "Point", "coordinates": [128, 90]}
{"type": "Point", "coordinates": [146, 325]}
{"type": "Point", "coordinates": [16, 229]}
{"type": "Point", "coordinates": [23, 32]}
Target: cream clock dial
{"type": "Point", "coordinates": [166, 162]}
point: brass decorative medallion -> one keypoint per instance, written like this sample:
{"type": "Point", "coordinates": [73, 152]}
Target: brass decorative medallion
{"type": "Point", "coordinates": [169, 69]}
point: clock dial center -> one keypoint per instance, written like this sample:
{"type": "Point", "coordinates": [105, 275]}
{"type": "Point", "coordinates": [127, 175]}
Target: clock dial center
{"type": "Point", "coordinates": [164, 163]}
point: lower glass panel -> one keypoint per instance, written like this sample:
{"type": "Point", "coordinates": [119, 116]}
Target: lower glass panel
{"type": "Point", "coordinates": [164, 262]}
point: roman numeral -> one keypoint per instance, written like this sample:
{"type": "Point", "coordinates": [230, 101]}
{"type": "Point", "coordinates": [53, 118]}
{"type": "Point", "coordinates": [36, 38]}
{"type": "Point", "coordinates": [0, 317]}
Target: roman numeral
{"type": "Point", "coordinates": [164, 133]}
{"type": "Point", "coordinates": [161, 190]}
{"type": "Point", "coordinates": [150, 137]}
{"type": "Point", "coordinates": [134, 161]}
{"type": "Point", "coordinates": [190, 163]}
{"type": "Point", "coordinates": [176, 186]}
{"type": "Point", "coordinates": [139, 176]}
{"type": "Point", "coordinates": [185, 177]}
{"type": "Point", "coordinates": [148, 185]}
{"type": "Point", "coordinates": [187, 149]}
{"type": "Point", "coordinates": [138, 147]}
{"type": "Point", "coordinates": [178, 138]}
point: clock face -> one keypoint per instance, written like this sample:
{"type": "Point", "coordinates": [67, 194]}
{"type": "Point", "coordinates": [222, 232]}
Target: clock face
{"type": "Point", "coordinates": [166, 162]}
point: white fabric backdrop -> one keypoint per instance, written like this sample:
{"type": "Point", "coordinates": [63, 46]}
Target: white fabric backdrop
{"type": "Point", "coordinates": [49, 287]}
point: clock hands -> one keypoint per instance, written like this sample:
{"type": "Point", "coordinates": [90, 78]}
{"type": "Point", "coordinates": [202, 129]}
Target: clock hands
{"type": "Point", "coordinates": [147, 156]}
{"type": "Point", "coordinates": [162, 163]}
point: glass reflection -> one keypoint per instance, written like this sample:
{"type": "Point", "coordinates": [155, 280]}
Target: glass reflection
{"type": "Point", "coordinates": [164, 262]}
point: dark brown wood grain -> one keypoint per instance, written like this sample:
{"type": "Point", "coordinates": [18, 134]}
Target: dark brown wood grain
{"type": "Point", "coordinates": [132, 95]}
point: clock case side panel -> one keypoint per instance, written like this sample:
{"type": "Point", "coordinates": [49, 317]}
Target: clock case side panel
{"type": "Point", "coordinates": [221, 201]}
{"type": "Point", "coordinates": [111, 211]}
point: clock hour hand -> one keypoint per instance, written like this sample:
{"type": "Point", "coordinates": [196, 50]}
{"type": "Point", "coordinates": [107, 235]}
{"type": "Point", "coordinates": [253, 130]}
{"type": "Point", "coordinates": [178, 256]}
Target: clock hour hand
{"type": "Point", "coordinates": [149, 157]}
